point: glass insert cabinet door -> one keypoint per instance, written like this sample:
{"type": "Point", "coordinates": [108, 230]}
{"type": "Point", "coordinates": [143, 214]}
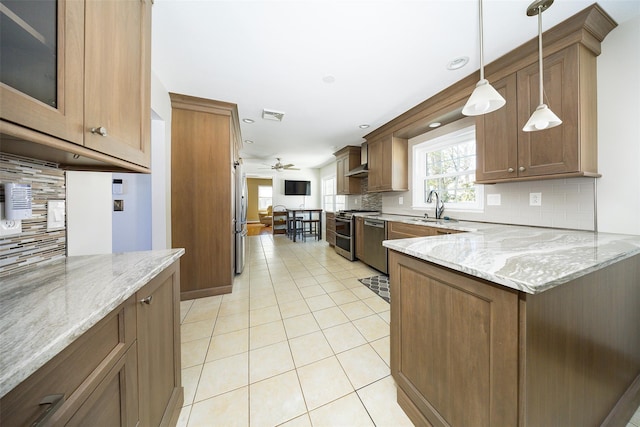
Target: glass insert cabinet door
{"type": "Point", "coordinates": [41, 66]}
{"type": "Point", "coordinates": [28, 31]}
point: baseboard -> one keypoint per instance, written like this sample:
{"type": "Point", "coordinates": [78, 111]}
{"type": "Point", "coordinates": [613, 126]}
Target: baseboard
{"type": "Point", "coordinates": [172, 412]}
{"type": "Point", "coordinates": [209, 292]}
{"type": "Point", "coordinates": [625, 407]}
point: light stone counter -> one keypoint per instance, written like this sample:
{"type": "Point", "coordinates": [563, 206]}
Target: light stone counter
{"type": "Point", "coordinates": [46, 309]}
{"type": "Point", "coordinates": [528, 259]}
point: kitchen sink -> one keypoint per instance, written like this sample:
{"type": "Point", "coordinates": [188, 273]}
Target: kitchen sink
{"type": "Point", "coordinates": [436, 220]}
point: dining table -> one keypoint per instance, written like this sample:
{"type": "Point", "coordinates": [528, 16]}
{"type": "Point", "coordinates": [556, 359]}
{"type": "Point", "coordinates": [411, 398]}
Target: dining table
{"type": "Point", "coordinates": [304, 213]}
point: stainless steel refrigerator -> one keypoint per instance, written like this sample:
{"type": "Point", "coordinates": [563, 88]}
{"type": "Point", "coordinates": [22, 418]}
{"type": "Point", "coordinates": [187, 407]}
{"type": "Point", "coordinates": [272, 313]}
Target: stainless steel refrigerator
{"type": "Point", "coordinates": [240, 219]}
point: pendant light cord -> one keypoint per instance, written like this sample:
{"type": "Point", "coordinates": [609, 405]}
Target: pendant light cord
{"type": "Point", "coordinates": [540, 53]}
{"type": "Point", "coordinates": [481, 42]}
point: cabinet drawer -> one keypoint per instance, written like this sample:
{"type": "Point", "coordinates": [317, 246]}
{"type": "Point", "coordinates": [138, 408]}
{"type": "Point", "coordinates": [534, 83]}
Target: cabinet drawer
{"type": "Point", "coordinates": [401, 230]}
{"type": "Point", "coordinates": [73, 373]}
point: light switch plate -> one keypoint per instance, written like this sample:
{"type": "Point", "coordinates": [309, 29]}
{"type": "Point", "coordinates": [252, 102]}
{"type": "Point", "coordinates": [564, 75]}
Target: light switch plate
{"type": "Point", "coordinates": [9, 227]}
{"type": "Point", "coordinates": [400, 200]}
{"type": "Point", "coordinates": [535, 199]}
{"type": "Point", "coordinates": [55, 214]}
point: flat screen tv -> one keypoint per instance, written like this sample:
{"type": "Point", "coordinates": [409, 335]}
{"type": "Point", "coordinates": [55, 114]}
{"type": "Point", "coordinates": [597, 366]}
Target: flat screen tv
{"type": "Point", "coordinates": [297, 188]}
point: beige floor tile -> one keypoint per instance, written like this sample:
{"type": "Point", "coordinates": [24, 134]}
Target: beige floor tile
{"type": "Point", "coordinates": [185, 306]}
{"type": "Point", "coordinates": [262, 302]}
{"type": "Point", "coordinates": [386, 316]}
{"type": "Point", "coordinates": [323, 382]}
{"type": "Point", "coordinates": [223, 375]}
{"type": "Point", "coordinates": [229, 409]}
{"type": "Point", "coordinates": [196, 330]}
{"type": "Point", "coordinates": [269, 361]}
{"type": "Point", "coordinates": [310, 348]}
{"type": "Point", "coordinates": [236, 295]}
{"type": "Point", "coordinates": [289, 295]}
{"type": "Point", "coordinates": [208, 302]}
{"type": "Point", "coordinates": [194, 352]}
{"type": "Point", "coordinates": [264, 291]}
{"type": "Point", "coordinates": [228, 308]}
{"type": "Point", "coordinates": [333, 286]}
{"type": "Point", "coordinates": [264, 315]}
{"type": "Point", "coordinates": [356, 310]}
{"type": "Point", "coordinates": [294, 308]}
{"type": "Point", "coordinates": [342, 275]}
{"type": "Point", "coordinates": [267, 334]}
{"type": "Point", "coordinates": [319, 302]}
{"type": "Point", "coordinates": [305, 281]}
{"type": "Point", "coordinates": [233, 322]}
{"type": "Point", "coordinates": [343, 337]}
{"type": "Point", "coordinates": [226, 345]}
{"type": "Point", "coordinates": [329, 317]}
{"type": "Point", "coordinates": [300, 325]}
{"type": "Point", "coordinates": [379, 399]}
{"type": "Point", "coordinates": [363, 366]}
{"type": "Point", "coordinates": [183, 418]}
{"type": "Point", "coordinates": [383, 348]}
{"type": "Point", "coordinates": [353, 283]}
{"type": "Point", "coordinates": [312, 291]}
{"type": "Point", "coordinates": [276, 400]}
{"type": "Point", "coordinates": [301, 421]}
{"type": "Point", "coordinates": [372, 327]}
{"type": "Point", "coordinates": [199, 313]}
{"type": "Point", "coordinates": [346, 411]}
{"type": "Point", "coordinates": [325, 278]}
{"type": "Point", "coordinates": [343, 297]}
{"type": "Point", "coordinates": [363, 292]}
{"type": "Point", "coordinates": [190, 378]}
{"type": "Point", "coordinates": [377, 304]}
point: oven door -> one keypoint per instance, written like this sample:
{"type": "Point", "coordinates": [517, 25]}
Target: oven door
{"type": "Point", "coordinates": [343, 227]}
{"type": "Point", "coordinates": [344, 247]}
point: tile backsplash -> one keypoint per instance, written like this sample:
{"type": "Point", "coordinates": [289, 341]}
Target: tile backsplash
{"type": "Point", "coordinates": [35, 245]}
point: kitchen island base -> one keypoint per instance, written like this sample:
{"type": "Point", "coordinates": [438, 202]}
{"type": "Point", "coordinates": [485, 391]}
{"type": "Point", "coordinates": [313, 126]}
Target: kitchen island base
{"type": "Point", "coordinates": [466, 351]}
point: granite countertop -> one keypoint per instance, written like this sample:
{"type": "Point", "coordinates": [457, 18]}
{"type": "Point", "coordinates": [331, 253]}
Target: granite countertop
{"type": "Point", "coordinates": [46, 309]}
{"type": "Point", "coordinates": [527, 259]}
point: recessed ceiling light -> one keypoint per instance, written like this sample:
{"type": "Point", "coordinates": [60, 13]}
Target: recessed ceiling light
{"type": "Point", "coordinates": [457, 63]}
{"type": "Point", "coordinates": [248, 141]}
{"type": "Point", "coordinates": [329, 79]}
{"type": "Point", "coordinates": [248, 120]}
{"type": "Point", "coordinates": [363, 126]}
{"type": "Point", "coordinates": [435, 124]}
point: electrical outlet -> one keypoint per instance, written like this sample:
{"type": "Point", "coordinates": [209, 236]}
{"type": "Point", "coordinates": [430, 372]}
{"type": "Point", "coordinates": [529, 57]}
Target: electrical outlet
{"type": "Point", "coordinates": [494, 200]}
{"type": "Point", "coordinates": [400, 200]}
{"type": "Point", "coordinates": [9, 227]}
{"type": "Point", "coordinates": [535, 199]}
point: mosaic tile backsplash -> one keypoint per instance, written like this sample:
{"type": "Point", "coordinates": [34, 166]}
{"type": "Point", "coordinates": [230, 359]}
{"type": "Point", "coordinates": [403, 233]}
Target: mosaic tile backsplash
{"type": "Point", "coordinates": [35, 245]}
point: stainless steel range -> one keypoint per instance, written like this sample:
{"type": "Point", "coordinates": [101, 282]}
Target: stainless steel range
{"type": "Point", "coordinates": [345, 232]}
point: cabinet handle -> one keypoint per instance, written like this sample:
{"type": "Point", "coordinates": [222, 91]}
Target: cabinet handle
{"type": "Point", "coordinates": [147, 300]}
{"type": "Point", "coordinates": [510, 170]}
{"type": "Point", "coordinates": [54, 401]}
{"type": "Point", "coordinates": [521, 168]}
{"type": "Point", "coordinates": [102, 131]}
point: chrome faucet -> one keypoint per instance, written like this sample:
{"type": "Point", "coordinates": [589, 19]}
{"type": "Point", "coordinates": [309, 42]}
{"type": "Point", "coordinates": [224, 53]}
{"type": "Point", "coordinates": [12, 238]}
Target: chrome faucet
{"type": "Point", "coordinates": [439, 203]}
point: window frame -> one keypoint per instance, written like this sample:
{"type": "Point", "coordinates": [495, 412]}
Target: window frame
{"type": "Point", "coordinates": [438, 139]}
{"type": "Point", "coordinates": [333, 195]}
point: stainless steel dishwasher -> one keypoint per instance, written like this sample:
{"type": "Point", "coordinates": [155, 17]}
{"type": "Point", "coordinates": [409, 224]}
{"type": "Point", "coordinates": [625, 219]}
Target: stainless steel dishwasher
{"type": "Point", "coordinates": [375, 231]}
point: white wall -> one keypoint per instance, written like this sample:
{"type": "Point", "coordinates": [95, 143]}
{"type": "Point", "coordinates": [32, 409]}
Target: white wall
{"type": "Point", "coordinates": [313, 175]}
{"type": "Point", "coordinates": [131, 227]}
{"type": "Point", "coordinates": [89, 207]}
{"type": "Point", "coordinates": [619, 130]}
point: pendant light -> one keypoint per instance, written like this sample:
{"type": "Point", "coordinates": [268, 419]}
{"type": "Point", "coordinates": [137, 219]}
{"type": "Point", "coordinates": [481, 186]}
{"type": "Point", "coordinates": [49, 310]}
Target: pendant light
{"type": "Point", "coordinates": [542, 117]}
{"type": "Point", "coordinates": [484, 98]}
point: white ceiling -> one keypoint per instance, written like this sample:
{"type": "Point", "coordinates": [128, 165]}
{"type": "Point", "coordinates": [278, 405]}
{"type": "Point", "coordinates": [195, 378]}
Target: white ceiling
{"type": "Point", "coordinates": [386, 56]}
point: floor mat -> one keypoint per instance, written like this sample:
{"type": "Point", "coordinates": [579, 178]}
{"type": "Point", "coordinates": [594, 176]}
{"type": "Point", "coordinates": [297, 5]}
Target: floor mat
{"type": "Point", "coordinates": [378, 284]}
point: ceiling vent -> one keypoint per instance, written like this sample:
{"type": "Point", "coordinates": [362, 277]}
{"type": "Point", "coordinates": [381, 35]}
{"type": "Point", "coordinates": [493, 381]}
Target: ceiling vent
{"type": "Point", "coordinates": [272, 115]}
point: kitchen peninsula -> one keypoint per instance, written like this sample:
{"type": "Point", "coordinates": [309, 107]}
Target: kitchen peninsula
{"type": "Point", "coordinates": [92, 338]}
{"type": "Point", "coordinates": [513, 325]}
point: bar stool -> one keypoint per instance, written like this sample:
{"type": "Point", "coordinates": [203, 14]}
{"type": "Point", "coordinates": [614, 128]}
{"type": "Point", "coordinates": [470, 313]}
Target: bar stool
{"type": "Point", "coordinates": [295, 227]}
{"type": "Point", "coordinates": [311, 227]}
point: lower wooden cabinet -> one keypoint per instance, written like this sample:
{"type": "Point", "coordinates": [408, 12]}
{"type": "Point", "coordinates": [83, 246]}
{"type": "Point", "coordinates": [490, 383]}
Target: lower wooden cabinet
{"type": "Point", "coordinates": [359, 237]}
{"type": "Point", "coordinates": [124, 371]}
{"type": "Point", "coordinates": [331, 228]}
{"type": "Point", "coordinates": [402, 230]}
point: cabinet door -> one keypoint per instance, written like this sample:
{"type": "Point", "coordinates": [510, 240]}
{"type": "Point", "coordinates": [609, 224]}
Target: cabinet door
{"type": "Point", "coordinates": [115, 401]}
{"type": "Point", "coordinates": [454, 346]}
{"type": "Point", "coordinates": [340, 178]}
{"type": "Point", "coordinates": [375, 165]}
{"type": "Point", "coordinates": [117, 78]}
{"type": "Point", "coordinates": [159, 346]}
{"type": "Point", "coordinates": [331, 228]}
{"type": "Point", "coordinates": [41, 73]}
{"type": "Point", "coordinates": [555, 150]}
{"type": "Point", "coordinates": [497, 136]}
{"type": "Point", "coordinates": [386, 163]}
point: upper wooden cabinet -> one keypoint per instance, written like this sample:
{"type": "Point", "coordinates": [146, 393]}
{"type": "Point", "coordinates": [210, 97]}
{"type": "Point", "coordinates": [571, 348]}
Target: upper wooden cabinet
{"type": "Point", "coordinates": [387, 161]}
{"type": "Point", "coordinates": [85, 79]}
{"type": "Point", "coordinates": [505, 152]}
{"type": "Point", "coordinates": [347, 159]}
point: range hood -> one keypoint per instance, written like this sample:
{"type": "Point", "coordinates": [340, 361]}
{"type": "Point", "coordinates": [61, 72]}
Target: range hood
{"type": "Point", "coordinates": [358, 172]}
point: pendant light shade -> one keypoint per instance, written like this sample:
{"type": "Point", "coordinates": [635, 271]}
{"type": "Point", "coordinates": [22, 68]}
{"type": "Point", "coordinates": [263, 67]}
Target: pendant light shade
{"type": "Point", "coordinates": [542, 117]}
{"type": "Point", "coordinates": [484, 98]}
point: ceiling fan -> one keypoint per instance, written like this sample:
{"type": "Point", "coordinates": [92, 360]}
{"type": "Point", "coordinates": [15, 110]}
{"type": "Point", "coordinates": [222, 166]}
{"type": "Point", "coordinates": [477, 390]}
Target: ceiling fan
{"type": "Point", "coordinates": [279, 167]}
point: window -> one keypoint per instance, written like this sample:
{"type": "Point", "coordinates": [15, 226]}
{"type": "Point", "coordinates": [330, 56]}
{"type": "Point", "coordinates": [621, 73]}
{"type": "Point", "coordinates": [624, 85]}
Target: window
{"type": "Point", "coordinates": [445, 161]}
{"type": "Point", "coordinates": [332, 202]}
{"type": "Point", "coordinates": [265, 193]}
